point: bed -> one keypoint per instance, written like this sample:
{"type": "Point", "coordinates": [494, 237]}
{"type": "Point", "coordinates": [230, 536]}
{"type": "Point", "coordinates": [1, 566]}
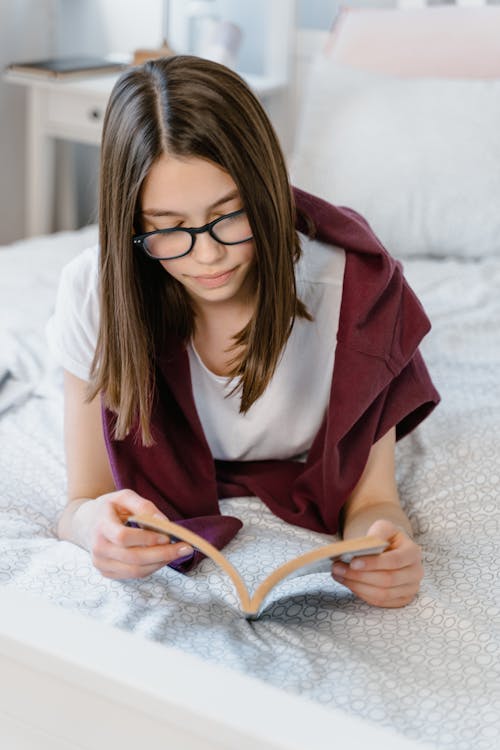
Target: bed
{"type": "Point", "coordinates": [84, 661]}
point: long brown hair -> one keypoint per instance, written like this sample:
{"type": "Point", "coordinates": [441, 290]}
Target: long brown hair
{"type": "Point", "coordinates": [186, 106]}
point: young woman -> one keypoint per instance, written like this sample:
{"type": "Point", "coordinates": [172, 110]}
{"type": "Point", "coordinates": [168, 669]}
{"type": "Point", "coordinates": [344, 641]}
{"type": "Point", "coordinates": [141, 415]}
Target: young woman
{"type": "Point", "coordinates": [212, 350]}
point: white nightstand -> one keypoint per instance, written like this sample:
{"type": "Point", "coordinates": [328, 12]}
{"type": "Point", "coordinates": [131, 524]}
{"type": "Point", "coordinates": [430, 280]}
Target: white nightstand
{"type": "Point", "coordinates": [73, 110]}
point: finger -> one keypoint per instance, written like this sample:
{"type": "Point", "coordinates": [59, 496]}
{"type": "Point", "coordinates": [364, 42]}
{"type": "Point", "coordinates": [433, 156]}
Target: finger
{"type": "Point", "coordinates": [126, 536]}
{"type": "Point", "coordinates": [377, 597]}
{"type": "Point", "coordinates": [115, 530]}
{"type": "Point", "coordinates": [386, 530]}
{"type": "Point", "coordinates": [397, 537]}
{"type": "Point", "coordinates": [407, 553]}
{"type": "Point", "coordinates": [120, 571]}
{"type": "Point", "coordinates": [140, 556]}
{"type": "Point", "coordinates": [128, 502]}
{"type": "Point", "coordinates": [380, 578]}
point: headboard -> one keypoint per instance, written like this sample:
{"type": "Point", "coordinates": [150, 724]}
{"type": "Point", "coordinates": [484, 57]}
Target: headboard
{"type": "Point", "coordinates": [387, 121]}
{"type": "Point", "coordinates": [463, 41]}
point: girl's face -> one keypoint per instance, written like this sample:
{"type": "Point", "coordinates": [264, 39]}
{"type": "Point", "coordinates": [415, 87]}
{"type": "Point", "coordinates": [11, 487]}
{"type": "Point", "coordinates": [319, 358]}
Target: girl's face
{"type": "Point", "coordinates": [190, 192]}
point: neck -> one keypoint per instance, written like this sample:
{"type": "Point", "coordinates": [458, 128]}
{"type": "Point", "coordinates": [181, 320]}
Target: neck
{"type": "Point", "coordinates": [229, 314]}
{"type": "Point", "coordinates": [216, 327]}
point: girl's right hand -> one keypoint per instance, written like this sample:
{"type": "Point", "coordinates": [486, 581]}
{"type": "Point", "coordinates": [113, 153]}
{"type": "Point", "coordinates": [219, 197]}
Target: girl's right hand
{"type": "Point", "coordinates": [119, 551]}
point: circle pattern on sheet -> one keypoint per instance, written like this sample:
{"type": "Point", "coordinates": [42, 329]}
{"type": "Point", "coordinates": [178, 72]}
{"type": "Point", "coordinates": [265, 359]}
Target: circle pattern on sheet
{"type": "Point", "coordinates": [430, 670]}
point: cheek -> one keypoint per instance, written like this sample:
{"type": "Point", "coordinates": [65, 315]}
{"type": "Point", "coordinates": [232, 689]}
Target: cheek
{"type": "Point", "coordinates": [172, 267]}
{"type": "Point", "coordinates": [248, 255]}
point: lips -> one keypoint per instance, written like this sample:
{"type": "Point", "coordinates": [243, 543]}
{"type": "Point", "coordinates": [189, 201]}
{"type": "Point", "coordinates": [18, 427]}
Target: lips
{"type": "Point", "coordinates": [211, 281]}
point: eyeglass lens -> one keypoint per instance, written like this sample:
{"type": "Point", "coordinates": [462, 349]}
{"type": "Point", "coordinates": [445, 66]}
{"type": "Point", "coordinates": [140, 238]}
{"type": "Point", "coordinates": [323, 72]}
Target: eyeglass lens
{"type": "Point", "coordinates": [232, 229]}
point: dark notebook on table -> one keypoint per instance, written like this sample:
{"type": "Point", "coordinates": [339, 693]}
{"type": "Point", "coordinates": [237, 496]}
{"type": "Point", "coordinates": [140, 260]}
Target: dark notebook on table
{"type": "Point", "coordinates": [64, 67]}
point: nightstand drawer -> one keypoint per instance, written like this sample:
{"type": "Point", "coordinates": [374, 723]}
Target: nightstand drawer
{"type": "Point", "coordinates": [76, 116]}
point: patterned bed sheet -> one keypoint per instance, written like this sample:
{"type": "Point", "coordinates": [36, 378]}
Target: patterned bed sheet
{"type": "Point", "coordinates": [430, 670]}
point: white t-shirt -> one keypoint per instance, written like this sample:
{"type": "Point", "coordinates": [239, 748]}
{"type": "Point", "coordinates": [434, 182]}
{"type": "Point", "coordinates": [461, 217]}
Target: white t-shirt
{"type": "Point", "coordinates": [283, 422]}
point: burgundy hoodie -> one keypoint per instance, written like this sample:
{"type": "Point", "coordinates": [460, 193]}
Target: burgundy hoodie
{"type": "Point", "coordinates": [379, 380]}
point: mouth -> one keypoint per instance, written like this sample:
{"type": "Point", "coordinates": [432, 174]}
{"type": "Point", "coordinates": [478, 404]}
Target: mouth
{"type": "Point", "coordinates": [213, 280]}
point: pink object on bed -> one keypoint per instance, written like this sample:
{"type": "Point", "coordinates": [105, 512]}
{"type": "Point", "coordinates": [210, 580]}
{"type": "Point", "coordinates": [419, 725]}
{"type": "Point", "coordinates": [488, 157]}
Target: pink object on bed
{"type": "Point", "coordinates": [448, 42]}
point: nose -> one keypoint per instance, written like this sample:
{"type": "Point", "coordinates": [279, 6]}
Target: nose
{"type": "Point", "coordinates": [207, 250]}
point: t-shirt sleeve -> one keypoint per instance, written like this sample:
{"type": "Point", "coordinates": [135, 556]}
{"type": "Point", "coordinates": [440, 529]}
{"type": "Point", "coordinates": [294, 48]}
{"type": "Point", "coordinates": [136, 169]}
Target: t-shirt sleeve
{"type": "Point", "coordinates": [73, 327]}
{"type": "Point", "coordinates": [408, 400]}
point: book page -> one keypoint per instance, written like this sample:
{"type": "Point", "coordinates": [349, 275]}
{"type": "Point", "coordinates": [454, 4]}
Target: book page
{"type": "Point", "coordinates": [317, 560]}
{"type": "Point", "coordinates": [163, 526]}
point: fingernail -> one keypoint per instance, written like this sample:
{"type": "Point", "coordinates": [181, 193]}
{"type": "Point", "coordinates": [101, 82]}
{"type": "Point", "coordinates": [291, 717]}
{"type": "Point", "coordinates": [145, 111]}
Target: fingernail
{"type": "Point", "coordinates": [162, 540]}
{"type": "Point", "coordinates": [357, 564]}
{"type": "Point", "coordinates": [185, 550]}
{"type": "Point", "coordinates": [339, 570]}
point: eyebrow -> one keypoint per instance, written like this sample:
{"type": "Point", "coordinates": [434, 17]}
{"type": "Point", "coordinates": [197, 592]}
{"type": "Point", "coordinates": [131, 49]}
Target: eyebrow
{"type": "Point", "coordinates": [162, 212]}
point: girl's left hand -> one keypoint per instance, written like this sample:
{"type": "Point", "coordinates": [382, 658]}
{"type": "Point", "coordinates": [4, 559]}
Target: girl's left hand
{"type": "Point", "coordinates": [391, 579]}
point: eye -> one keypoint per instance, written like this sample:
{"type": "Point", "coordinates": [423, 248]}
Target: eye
{"type": "Point", "coordinates": [169, 226]}
{"type": "Point", "coordinates": [230, 210]}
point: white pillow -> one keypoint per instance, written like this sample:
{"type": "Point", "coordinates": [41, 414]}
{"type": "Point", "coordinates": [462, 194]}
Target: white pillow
{"type": "Point", "coordinates": [419, 158]}
{"type": "Point", "coordinates": [29, 274]}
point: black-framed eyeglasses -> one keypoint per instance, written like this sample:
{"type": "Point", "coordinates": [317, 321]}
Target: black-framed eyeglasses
{"type": "Point", "coordinates": [167, 244]}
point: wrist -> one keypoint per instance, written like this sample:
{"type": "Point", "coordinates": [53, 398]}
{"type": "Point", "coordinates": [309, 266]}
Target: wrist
{"type": "Point", "coordinates": [357, 523]}
{"type": "Point", "coordinates": [74, 523]}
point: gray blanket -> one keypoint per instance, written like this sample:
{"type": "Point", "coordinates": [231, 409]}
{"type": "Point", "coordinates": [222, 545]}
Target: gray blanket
{"type": "Point", "coordinates": [430, 670]}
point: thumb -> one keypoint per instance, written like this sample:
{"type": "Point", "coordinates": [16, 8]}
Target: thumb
{"type": "Point", "coordinates": [128, 502]}
{"type": "Point", "coordinates": [385, 530]}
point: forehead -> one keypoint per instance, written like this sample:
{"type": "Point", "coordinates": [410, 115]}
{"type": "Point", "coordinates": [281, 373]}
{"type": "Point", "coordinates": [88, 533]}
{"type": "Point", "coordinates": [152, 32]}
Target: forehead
{"type": "Point", "coordinates": [175, 183]}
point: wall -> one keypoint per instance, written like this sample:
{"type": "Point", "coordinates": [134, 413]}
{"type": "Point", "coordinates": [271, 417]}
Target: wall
{"type": "Point", "coordinates": [26, 32]}
{"type": "Point", "coordinates": [318, 14]}
{"type": "Point", "coordinates": [31, 29]}
{"type": "Point", "coordinates": [35, 29]}
{"type": "Point", "coordinates": [104, 27]}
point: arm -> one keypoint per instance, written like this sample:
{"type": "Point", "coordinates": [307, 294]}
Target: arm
{"type": "Point", "coordinates": [391, 579]}
{"type": "Point", "coordinates": [93, 517]}
{"type": "Point", "coordinates": [376, 494]}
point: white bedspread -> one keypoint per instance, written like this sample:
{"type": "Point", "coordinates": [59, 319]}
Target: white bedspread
{"type": "Point", "coordinates": [430, 670]}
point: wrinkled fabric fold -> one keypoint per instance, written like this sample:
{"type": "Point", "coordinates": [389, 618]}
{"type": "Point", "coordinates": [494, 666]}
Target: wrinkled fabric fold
{"type": "Point", "coordinates": [217, 529]}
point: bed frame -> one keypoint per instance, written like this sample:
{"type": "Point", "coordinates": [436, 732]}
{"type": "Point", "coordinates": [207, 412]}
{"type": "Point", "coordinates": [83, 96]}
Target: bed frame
{"type": "Point", "coordinates": [69, 682]}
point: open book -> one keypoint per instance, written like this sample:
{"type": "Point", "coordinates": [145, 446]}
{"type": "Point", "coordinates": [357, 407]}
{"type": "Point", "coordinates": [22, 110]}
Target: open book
{"type": "Point", "coordinates": [317, 560]}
